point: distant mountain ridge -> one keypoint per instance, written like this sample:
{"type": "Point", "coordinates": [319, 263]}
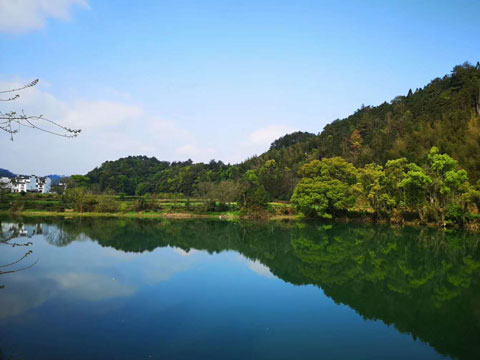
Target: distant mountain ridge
{"type": "Point", "coordinates": [54, 177]}
{"type": "Point", "coordinates": [6, 173]}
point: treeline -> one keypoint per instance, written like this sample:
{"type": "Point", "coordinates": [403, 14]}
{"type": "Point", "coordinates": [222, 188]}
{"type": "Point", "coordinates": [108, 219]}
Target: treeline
{"type": "Point", "coordinates": [436, 192]}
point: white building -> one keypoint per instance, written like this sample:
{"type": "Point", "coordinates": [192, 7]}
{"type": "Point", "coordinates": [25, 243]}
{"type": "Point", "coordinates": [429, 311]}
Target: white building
{"type": "Point", "coordinates": [44, 184]}
{"type": "Point", "coordinates": [25, 183]}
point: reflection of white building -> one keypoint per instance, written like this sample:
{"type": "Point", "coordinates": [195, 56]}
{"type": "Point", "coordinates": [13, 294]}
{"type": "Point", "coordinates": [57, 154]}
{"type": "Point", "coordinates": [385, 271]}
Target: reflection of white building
{"type": "Point", "coordinates": [6, 227]}
{"type": "Point", "coordinates": [6, 184]}
{"type": "Point", "coordinates": [26, 230]}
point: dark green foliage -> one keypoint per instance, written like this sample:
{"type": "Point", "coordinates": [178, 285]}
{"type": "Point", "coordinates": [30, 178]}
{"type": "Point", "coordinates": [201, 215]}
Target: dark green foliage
{"type": "Point", "coordinates": [139, 175]}
{"type": "Point", "coordinates": [291, 139]}
{"type": "Point", "coordinates": [75, 181]}
{"type": "Point", "coordinates": [442, 114]}
{"type": "Point", "coordinates": [254, 195]}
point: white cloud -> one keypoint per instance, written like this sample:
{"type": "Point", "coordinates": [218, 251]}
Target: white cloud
{"type": "Point", "coordinates": [91, 286]}
{"type": "Point", "coordinates": [258, 141]}
{"type": "Point", "coordinates": [196, 153]}
{"type": "Point", "coordinates": [114, 129]}
{"type": "Point", "coordinates": [110, 130]}
{"type": "Point", "coordinates": [90, 114]}
{"type": "Point", "coordinates": [19, 16]}
{"type": "Point", "coordinates": [165, 129]}
{"type": "Point", "coordinates": [265, 136]}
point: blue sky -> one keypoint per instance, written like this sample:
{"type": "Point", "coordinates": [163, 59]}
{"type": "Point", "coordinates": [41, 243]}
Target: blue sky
{"type": "Point", "coordinates": [209, 79]}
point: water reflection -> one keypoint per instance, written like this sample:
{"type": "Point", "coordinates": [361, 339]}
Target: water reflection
{"type": "Point", "coordinates": [424, 282]}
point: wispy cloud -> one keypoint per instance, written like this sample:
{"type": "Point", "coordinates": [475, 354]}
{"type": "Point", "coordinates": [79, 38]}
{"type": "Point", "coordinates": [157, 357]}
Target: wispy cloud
{"type": "Point", "coordinates": [196, 153]}
{"type": "Point", "coordinates": [18, 16]}
{"type": "Point", "coordinates": [258, 141]}
{"type": "Point", "coordinates": [265, 136]}
{"type": "Point", "coordinates": [110, 129]}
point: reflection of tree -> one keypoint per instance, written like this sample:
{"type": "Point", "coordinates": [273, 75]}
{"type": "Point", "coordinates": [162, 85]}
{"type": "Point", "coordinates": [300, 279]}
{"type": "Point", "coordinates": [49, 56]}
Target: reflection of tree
{"type": "Point", "coordinates": [59, 236]}
{"type": "Point", "coordinates": [425, 282]}
{"type": "Point", "coordinates": [13, 235]}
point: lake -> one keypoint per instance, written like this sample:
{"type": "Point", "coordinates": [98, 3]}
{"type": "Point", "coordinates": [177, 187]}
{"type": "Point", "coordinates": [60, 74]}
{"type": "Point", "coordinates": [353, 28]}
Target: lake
{"type": "Point", "coordinates": [87, 288]}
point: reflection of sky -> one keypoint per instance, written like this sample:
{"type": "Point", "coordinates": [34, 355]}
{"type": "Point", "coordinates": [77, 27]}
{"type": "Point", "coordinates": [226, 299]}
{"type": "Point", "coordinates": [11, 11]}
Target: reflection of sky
{"type": "Point", "coordinates": [169, 303]}
{"type": "Point", "coordinates": [85, 271]}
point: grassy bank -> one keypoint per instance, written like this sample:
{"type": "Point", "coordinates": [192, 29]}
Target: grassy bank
{"type": "Point", "coordinates": [141, 215]}
{"type": "Point", "coordinates": [113, 206]}
{"type": "Point", "coordinates": [102, 205]}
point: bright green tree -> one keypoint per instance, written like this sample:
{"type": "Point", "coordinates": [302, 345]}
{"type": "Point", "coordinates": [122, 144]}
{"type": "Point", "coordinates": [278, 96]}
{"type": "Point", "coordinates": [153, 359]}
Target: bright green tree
{"type": "Point", "coordinates": [448, 182]}
{"type": "Point", "coordinates": [325, 187]}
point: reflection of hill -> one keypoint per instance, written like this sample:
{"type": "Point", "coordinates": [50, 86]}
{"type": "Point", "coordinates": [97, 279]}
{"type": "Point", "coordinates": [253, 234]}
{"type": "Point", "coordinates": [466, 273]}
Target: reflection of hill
{"type": "Point", "coordinates": [424, 282]}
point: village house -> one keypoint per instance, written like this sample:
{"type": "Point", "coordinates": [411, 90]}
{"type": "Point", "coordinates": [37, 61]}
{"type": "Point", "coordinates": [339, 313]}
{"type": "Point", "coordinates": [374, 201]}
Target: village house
{"type": "Point", "coordinates": [27, 183]}
{"type": "Point", "coordinates": [24, 183]}
{"type": "Point", "coordinates": [44, 184]}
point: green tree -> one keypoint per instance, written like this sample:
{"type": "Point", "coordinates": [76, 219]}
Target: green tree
{"type": "Point", "coordinates": [325, 187]}
{"type": "Point", "coordinates": [371, 178]}
{"type": "Point", "coordinates": [415, 185]}
{"type": "Point", "coordinates": [80, 198]}
{"type": "Point", "coordinates": [448, 182]}
{"type": "Point", "coordinates": [253, 195]}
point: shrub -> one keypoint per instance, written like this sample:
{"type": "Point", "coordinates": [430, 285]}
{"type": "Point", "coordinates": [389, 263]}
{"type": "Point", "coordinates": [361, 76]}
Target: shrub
{"type": "Point", "coordinates": [106, 204]}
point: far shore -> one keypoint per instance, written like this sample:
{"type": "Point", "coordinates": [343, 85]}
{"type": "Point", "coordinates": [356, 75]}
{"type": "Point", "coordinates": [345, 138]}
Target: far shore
{"type": "Point", "coordinates": [140, 215]}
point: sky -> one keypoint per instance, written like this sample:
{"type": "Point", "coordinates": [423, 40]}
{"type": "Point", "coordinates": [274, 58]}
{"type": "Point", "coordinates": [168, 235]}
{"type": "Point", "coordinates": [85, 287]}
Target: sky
{"type": "Point", "coordinates": [211, 79]}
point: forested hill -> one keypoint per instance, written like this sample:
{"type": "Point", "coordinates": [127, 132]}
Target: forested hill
{"type": "Point", "coordinates": [6, 173]}
{"type": "Point", "coordinates": [445, 114]}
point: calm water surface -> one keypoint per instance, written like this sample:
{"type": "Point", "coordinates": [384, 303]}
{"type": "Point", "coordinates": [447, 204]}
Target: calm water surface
{"type": "Point", "coordinates": [125, 289]}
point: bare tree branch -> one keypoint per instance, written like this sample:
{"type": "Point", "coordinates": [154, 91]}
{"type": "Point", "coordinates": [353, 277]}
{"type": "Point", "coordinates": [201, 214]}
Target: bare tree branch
{"type": "Point", "coordinates": [30, 84]}
{"type": "Point", "coordinates": [11, 122]}
{"type": "Point", "coordinates": [12, 98]}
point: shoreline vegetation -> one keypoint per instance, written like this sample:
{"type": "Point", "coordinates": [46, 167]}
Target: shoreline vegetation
{"type": "Point", "coordinates": [437, 193]}
{"type": "Point", "coordinates": [226, 216]}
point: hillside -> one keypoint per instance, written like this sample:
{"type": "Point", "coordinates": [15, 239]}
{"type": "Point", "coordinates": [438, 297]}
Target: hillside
{"type": "Point", "coordinates": [445, 113]}
{"type": "Point", "coordinates": [6, 173]}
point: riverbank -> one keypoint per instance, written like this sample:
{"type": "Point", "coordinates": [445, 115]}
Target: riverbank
{"type": "Point", "coordinates": [108, 206]}
{"type": "Point", "coordinates": [142, 215]}
{"type": "Point", "coordinates": [226, 216]}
